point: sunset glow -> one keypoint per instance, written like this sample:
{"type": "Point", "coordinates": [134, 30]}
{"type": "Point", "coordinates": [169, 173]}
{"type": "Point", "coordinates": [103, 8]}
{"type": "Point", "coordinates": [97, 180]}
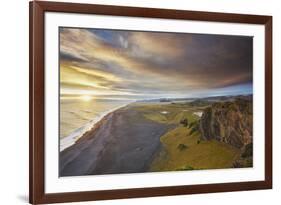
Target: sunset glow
{"type": "Point", "coordinates": [86, 98]}
{"type": "Point", "coordinates": [143, 65]}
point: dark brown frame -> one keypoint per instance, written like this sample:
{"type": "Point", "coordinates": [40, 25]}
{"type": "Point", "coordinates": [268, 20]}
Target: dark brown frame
{"type": "Point", "coordinates": [37, 193]}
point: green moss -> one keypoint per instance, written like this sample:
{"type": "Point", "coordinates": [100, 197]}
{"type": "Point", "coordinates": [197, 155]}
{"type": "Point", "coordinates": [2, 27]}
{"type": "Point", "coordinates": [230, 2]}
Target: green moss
{"type": "Point", "coordinates": [204, 155]}
{"type": "Point", "coordinates": [174, 113]}
{"type": "Point", "coordinates": [182, 147]}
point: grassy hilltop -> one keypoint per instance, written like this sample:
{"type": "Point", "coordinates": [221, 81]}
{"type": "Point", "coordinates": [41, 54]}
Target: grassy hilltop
{"type": "Point", "coordinates": [183, 147]}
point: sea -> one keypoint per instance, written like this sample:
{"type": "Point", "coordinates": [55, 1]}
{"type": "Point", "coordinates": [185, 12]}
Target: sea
{"type": "Point", "coordinates": [77, 116]}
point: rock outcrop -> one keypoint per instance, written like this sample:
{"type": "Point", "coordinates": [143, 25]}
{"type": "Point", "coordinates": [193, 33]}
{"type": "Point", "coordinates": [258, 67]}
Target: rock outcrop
{"type": "Point", "coordinates": [229, 122]}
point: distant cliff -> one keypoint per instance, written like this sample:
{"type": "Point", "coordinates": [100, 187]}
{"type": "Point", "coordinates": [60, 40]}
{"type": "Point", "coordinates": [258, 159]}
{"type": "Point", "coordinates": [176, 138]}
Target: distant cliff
{"type": "Point", "coordinates": [229, 122]}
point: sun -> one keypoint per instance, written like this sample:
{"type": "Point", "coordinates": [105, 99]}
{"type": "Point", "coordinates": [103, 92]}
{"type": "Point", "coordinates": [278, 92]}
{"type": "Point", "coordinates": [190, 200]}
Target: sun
{"type": "Point", "coordinates": [86, 97]}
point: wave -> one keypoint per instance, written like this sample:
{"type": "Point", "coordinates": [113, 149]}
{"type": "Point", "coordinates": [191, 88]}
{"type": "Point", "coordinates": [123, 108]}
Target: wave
{"type": "Point", "coordinates": [78, 133]}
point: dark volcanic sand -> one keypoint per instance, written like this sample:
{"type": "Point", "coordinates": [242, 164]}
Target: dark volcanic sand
{"type": "Point", "coordinates": [123, 142]}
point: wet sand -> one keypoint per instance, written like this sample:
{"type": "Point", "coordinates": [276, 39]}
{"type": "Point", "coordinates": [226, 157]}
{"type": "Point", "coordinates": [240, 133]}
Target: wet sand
{"type": "Point", "coordinates": [122, 142]}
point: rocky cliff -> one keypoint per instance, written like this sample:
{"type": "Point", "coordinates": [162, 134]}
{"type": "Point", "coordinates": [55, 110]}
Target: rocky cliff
{"type": "Point", "coordinates": [229, 122]}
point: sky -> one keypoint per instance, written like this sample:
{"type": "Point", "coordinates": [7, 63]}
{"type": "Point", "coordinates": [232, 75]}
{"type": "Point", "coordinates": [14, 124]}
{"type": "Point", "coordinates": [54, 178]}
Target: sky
{"type": "Point", "coordinates": [116, 64]}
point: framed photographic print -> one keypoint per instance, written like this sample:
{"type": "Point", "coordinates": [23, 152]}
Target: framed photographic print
{"type": "Point", "coordinates": [139, 102]}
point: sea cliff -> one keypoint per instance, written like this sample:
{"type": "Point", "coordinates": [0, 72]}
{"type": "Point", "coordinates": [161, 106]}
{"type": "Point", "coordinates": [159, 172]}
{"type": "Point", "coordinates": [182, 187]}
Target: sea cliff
{"type": "Point", "coordinates": [229, 122]}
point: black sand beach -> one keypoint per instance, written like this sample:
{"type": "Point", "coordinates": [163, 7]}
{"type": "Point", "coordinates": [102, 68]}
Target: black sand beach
{"type": "Point", "coordinates": [122, 142]}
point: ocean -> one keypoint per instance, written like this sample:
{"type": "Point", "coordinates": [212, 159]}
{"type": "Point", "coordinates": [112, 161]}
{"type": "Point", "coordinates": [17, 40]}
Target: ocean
{"type": "Point", "coordinates": [78, 116]}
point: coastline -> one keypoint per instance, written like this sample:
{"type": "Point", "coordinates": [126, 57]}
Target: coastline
{"type": "Point", "coordinates": [132, 140]}
{"type": "Point", "coordinates": [123, 141]}
{"type": "Point", "coordinates": [72, 138]}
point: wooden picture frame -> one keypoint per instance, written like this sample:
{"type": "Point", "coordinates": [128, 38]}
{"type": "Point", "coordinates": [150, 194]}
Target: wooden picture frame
{"type": "Point", "coordinates": [37, 194]}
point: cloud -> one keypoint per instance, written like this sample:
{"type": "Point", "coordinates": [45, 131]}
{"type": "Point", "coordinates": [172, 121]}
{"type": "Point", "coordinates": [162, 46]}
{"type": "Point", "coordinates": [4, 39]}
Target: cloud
{"type": "Point", "coordinates": [164, 45]}
{"type": "Point", "coordinates": [128, 62]}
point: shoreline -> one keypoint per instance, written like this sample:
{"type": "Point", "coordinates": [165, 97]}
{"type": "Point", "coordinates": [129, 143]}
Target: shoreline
{"type": "Point", "coordinates": [77, 134]}
{"type": "Point", "coordinates": [123, 141]}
